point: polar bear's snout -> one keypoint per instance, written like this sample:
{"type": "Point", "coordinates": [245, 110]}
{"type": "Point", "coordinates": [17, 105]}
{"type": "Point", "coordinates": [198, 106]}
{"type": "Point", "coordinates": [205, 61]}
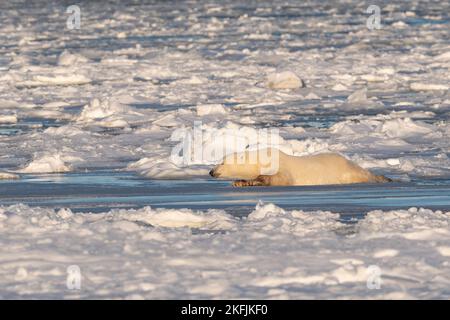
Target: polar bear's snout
{"type": "Point", "coordinates": [214, 173]}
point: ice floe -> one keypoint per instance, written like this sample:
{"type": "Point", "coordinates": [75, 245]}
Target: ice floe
{"type": "Point", "coordinates": [46, 164]}
{"type": "Point", "coordinates": [8, 176]}
{"type": "Point", "coordinates": [284, 80]}
{"type": "Point", "coordinates": [273, 253]}
{"type": "Point", "coordinates": [8, 119]}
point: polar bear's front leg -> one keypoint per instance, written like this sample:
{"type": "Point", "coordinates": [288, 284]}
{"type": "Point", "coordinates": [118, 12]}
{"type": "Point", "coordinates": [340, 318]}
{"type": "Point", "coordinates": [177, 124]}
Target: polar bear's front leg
{"type": "Point", "coordinates": [244, 183]}
{"type": "Point", "coordinates": [259, 181]}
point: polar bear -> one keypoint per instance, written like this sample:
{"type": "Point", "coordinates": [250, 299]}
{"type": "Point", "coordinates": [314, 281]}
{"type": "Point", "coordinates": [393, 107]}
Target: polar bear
{"type": "Point", "coordinates": [272, 167]}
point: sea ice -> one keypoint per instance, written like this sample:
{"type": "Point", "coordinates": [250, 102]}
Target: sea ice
{"type": "Point", "coordinates": [8, 118]}
{"type": "Point", "coordinates": [284, 80]}
{"type": "Point", "coordinates": [8, 176]}
{"type": "Point", "coordinates": [282, 253]}
{"type": "Point", "coordinates": [46, 164]}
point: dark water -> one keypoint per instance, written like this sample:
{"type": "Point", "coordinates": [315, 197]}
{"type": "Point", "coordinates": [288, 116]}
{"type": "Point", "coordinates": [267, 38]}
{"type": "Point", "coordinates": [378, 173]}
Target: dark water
{"type": "Point", "coordinates": [102, 191]}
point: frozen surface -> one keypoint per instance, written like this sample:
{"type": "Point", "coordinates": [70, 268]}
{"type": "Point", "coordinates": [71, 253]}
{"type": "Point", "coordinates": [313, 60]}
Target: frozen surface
{"type": "Point", "coordinates": [105, 190]}
{"type": "Point", "coordinates": [273, 253]}
{"type": "Point", "coordinates": [112, 100]}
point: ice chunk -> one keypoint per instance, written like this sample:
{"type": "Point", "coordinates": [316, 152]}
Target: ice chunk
{"type": "Point", "coordinates": [47, 164]}
{"type": "Point", "coordinates": [271, 217]}
{"type": "Point", "coordinates": [399, 25]}
{"type": "Point", "coordinates": [385, 253]}
{"type": "Point", "coordinates": [312, 96]}
{"type": "Point", "coordinates": [339, 87]}
{"type": "Point", "coordinates": [358, 96]}
{"type": "Point", "coordinates": [8, 176]}
{"type": "Point", "coordinates": [405, 128]}
{"type": "Point", "coordinates": [177, 218]}
{"type": "Point", "coordinates": [443, 57]}
{"type": "Point", "coordinates": [412, 224]}
{"type": "Point", "coordinates": [419, 86]}
{"type": "Point", "coordinates": [67, 59]}
{"type": "Point", "coordinates": [55, 104]}
{"type": "Point", "coordinates": [284, 80]}
{"type": "Point", "coordinates": [393, 162]}
{"type": "Point", "coordinates": [99, 109]}
{"type": "Point", "coordinates": [206, 109]}
{"type": "Point", "coordinates": [59, 80]}
{"type": "Point", "coordinates": [8, 118]}
{"type": "Point", "coordinates": [444, 251]}
{"type": "Point", "coordinates": [374, 77]}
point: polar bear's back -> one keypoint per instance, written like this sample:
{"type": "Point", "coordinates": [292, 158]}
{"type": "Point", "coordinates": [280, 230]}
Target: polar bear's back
{"type": "Point", "coordinates": [326, 168]}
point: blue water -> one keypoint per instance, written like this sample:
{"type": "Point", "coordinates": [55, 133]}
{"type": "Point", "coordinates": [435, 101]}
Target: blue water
{"type": "Point", "coordinates": [104, 190]}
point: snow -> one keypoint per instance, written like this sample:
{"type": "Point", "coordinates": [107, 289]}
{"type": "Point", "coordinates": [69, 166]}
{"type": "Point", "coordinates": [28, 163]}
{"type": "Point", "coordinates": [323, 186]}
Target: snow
{"type": "Point", "coordinates": [97, 109]}
{"type": "Point", "coordinates": [358, 96]}
{"type": "Point", "coordinates": [339, 87]}
{"type": "Point", "coordinates": [274, 253]}
{"type": "Point", "coordinates": [8, 176]}
{"type": "Point", "coordinates": [67, 58]}
{"type": "Point", "coordinates": [207, 109]}
{"type": "Point", "coordinates": [417, 86]}
{"type": "Point", "coordinates": [56, 80]}
{"type": "Point", "coordinates": [443, 56]}
{"type": "Point", "coordinates": [124, 93]}
{"type": "Point", "coordinates": [284, 80]}
{"type": "Point", "coordinates": [8, 119]}
{"type": "Point", "coordinates": [46, 164]}
{"type": "Point", "coordinates": [444, 251]}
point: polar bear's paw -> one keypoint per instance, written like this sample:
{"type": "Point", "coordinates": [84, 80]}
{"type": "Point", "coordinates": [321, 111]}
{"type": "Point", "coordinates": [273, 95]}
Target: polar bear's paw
{"type": "Point", "coordinates": [241, 183]}
{"type": "Point", "coordinates": [260, 181]}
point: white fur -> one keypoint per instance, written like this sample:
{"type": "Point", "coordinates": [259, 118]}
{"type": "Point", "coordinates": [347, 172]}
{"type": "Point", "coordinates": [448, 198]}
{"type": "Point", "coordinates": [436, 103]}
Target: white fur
{"type": "Point", "coordinates": [257, 168]}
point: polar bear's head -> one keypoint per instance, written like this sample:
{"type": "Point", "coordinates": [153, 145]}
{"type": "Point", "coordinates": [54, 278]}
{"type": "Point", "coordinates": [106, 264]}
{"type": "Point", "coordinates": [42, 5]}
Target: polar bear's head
{"type": "Point", "coordinates": [248, 165]}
